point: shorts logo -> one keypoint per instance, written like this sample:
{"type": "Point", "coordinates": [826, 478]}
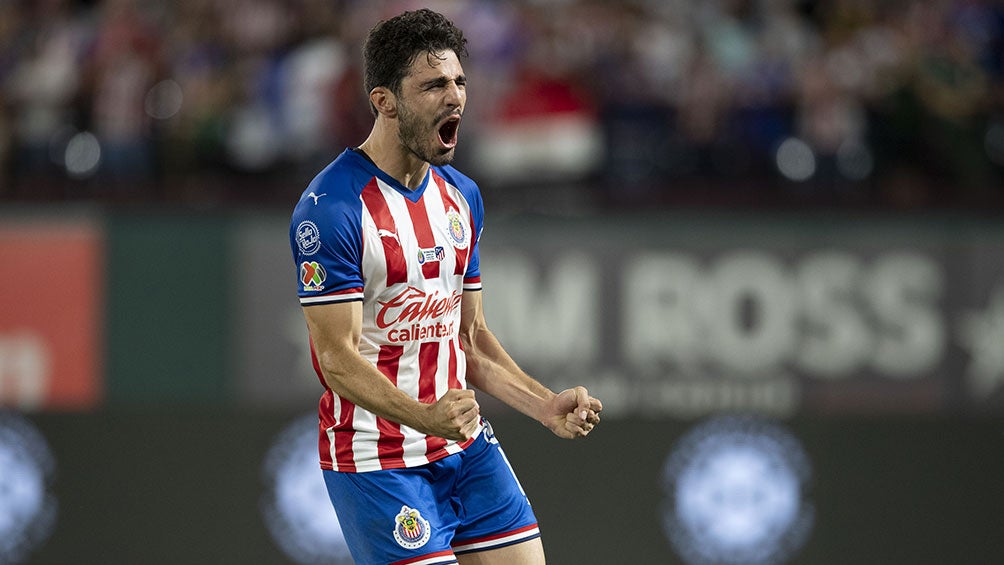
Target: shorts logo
{"type": "Point", "coordinates": [434, 254]}
{"type": "Point", "coordinates": [308, 238]}
{"type": "Point", "coordinates": [457, 230]}
{"type": "Point", "coordinates": [411, 530]}
{"type": "Point", "coordinates": [489, 433]}
{"type": "Point", "coordinates": [312, 276]}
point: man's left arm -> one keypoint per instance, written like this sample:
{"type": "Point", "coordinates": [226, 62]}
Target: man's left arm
{"type": "Point", "coordinates": [570, 414]}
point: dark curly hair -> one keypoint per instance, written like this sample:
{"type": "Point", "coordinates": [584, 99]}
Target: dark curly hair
{"type": "Point", "coordinates": [392, 46]}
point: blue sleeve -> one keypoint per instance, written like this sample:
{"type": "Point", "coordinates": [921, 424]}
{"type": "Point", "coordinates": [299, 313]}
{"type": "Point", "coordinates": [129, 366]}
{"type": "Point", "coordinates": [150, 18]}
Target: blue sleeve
{"type": "Point", "coordinates": [477, 217]}
{"type": "Point", "coordinates": [325, 235]}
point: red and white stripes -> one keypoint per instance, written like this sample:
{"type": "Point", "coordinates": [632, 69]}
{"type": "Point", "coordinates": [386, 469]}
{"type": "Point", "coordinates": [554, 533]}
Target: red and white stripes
{"type": "Point", "coordinates": [414, 257]}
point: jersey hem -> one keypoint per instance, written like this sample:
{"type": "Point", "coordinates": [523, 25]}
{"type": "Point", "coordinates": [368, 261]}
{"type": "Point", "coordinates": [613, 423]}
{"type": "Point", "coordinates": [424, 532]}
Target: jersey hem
{"type": "Point", "coordinates": [376, 465]}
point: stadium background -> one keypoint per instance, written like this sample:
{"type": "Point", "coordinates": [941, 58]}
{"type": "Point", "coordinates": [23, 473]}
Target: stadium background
{"type": "Point", "coordinates": [784, 210]}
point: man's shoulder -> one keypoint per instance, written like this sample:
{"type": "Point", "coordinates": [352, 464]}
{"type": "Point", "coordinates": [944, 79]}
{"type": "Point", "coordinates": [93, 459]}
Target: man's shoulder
{"type": "Point", "coordinates": [337, 185]}
{"type": "Point", "coordinates": [330, 204]}
{"type": "Point", "coordinates": [345, 176]}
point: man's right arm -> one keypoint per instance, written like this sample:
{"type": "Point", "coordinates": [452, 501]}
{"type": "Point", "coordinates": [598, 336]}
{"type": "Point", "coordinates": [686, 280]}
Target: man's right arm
{"type": "Point", "coordinates": [335, 330]}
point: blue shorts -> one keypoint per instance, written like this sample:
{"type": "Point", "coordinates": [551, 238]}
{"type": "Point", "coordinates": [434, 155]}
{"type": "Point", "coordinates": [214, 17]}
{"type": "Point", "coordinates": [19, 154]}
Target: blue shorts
{"type": "Point", "coordinates": [466, 502]}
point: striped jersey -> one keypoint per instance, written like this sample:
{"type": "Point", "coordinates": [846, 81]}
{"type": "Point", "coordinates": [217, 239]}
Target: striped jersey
{"type": "Point", "coordinates": [358, 234]}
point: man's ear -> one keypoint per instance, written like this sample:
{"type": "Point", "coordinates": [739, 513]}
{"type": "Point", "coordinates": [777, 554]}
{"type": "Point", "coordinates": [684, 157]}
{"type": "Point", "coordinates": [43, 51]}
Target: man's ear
{"type": "Point", "coordinates": [384, 101]}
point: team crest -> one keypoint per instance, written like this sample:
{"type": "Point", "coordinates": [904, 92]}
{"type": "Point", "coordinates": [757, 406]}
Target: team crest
{"type": "Point", "coordinates": [457, 230]}
{"type": "Point", "coordinates": [308, 238]}
{"type": "Point", "coordinates": [411, 530]}
{"type": "Point", "coordinates": [312, 275]}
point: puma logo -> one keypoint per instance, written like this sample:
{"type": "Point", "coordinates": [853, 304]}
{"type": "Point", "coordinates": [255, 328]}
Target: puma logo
{"type": "Point", "coordinates": [390, 234]}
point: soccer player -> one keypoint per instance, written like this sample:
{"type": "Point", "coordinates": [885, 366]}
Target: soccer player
{"type": "Point", "coordinates": [385, 240]}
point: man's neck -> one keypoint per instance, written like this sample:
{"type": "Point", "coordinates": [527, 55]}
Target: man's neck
{"type": "Point", "coordinates": [391, 157]}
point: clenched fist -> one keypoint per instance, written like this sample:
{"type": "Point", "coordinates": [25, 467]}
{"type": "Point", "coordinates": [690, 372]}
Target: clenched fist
{"type": "Point", "coordinates": [455, 415]}
{"type": "Point", "coordinates": [572, 413]}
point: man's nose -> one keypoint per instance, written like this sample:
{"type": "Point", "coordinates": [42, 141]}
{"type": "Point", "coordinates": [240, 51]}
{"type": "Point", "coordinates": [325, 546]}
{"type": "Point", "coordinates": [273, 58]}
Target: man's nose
{"type": "Point", "coordinates": [454, 94]}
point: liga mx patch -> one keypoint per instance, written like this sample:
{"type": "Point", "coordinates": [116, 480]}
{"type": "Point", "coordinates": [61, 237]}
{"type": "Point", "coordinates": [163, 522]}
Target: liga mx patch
{"type": "Point", "coordinates": [411, 530]}
{"type": "Point", "coordinates": [312, 275]}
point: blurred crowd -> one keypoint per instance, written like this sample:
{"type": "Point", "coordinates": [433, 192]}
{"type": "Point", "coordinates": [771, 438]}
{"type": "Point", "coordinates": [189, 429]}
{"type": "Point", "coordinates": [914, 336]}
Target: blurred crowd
{"type": "Point", "coordinates": [883, 103]}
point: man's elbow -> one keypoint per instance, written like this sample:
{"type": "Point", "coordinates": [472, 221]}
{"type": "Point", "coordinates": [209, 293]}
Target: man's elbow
{"type": "Point", "coordinates": [335, 364]}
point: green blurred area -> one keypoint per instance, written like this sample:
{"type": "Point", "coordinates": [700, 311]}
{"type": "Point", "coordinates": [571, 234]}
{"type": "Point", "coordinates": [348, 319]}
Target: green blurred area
{"type": "Point", "coordinates": [169, 288]}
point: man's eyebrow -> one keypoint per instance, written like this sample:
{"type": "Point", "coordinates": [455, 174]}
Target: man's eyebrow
{"type": "Point", "coordinates": [440, 81]}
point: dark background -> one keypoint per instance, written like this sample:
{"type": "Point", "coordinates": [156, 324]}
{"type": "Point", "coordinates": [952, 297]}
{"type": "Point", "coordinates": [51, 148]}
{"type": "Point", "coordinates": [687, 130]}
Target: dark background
{"type": "Point", "coordinates": [183, 486]}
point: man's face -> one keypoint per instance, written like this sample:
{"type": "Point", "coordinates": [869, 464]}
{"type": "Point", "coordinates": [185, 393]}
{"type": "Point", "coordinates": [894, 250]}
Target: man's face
{"type": "Point", "coordinates": [432, 99]}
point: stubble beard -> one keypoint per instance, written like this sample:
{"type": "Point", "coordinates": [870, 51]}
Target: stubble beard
{"type": "Point", "coordinates": [417, 139]}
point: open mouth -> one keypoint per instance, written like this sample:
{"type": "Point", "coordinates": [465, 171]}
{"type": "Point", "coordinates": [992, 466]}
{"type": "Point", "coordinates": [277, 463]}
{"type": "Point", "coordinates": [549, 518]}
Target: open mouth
{"type": "Point", "coordinates": [448, 131]}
